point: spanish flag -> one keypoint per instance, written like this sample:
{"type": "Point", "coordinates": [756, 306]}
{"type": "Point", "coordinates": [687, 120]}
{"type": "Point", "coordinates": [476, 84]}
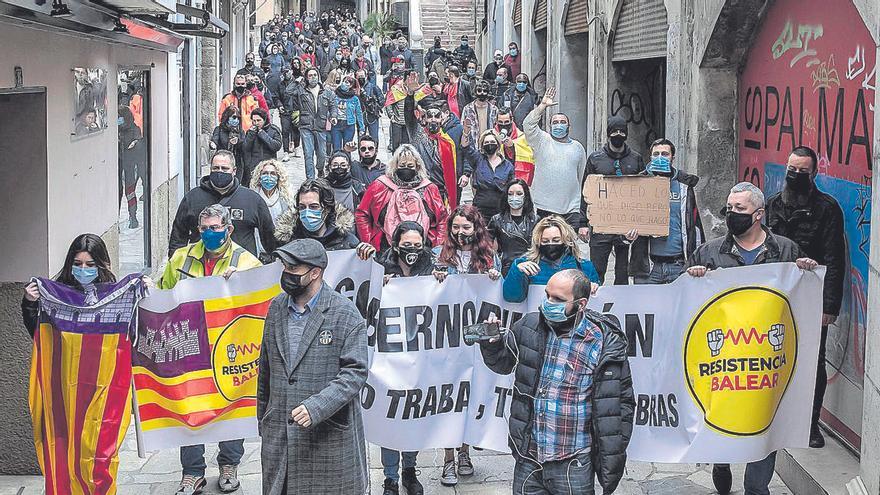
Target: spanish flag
{"type": "Point", "coordinates": [80, 383]}
{"type": "Point", "coordinates": [398, 93]}
{"type": "Point", "coordinates": [196, 359]}
{"type": "Point", "coordinates": [522, 156]}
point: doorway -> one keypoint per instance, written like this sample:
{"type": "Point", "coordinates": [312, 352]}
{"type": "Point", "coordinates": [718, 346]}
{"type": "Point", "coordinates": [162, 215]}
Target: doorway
{"type": "Point", "coordinates": [25, 219]}
{"type": "Point", "coordinates": [133, 123]}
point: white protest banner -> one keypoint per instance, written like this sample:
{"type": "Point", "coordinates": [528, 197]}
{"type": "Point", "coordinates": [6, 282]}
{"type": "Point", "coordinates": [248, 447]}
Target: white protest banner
{"type": "Point", "coordinates": [196, 358]}
{"type": "Point", "coordinates": [722, 366]}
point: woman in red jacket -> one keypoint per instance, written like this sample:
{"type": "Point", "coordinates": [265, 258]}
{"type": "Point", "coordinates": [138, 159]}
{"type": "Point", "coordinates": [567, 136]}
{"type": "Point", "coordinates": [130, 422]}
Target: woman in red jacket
{"type": "Point", "coordinates": [403, 193]}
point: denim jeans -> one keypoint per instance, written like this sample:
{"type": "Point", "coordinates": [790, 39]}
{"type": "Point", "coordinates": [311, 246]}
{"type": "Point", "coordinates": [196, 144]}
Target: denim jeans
{"type": "Point", "coordinates": [314, 144]}
{"type": "Point", "coordinates": [341, 134]}
{"type": "Point", "coordinates": [662, 273]}
{"type": "Point", "coordinates": [373, 130]}
{"type": "Point", "coordinates": [192, 457]}
{"type": "Point", "coordinates": [758, 475]}
{"type": "Point", "coordinates": [391, 462]}
{"type": "Point", "coordinates": [569, 476]}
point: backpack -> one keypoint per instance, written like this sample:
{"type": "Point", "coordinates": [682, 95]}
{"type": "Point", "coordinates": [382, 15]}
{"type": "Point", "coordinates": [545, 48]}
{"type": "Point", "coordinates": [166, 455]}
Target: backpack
{"type": "Point", "coordinates": [405, 205]}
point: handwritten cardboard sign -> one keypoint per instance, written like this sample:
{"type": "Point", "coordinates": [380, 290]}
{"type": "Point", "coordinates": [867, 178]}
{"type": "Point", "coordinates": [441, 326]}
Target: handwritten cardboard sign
{"type": "Point", "coordinates": [616, 205]}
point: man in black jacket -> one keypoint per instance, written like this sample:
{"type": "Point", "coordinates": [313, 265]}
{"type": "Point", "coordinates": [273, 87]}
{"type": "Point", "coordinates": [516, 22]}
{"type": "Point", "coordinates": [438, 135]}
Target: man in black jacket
{"type": "Point", "coordinates": [814, 221]}
{"type": "Point", "coordinates": [565, 443]}
{"type": "Point", "coordinates": [616, 158]}
{"type": "Point", "coordinates": [464, 53]}
{"type": "Point", "coordinates": [668, 254]}
{"type": "Point", "coordinates": [747, 243]}
{"type": "Point", "coordinates": [247, 209]}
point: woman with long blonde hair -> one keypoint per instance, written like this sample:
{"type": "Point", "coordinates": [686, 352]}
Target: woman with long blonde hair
{"type": "Point", "coordinates": [271, 182]}
{"type": "Point", "coordinates": [553, 249]}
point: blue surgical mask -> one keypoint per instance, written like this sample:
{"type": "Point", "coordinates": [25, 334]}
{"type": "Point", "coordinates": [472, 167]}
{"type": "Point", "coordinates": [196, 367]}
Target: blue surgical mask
{"type": "Point", "coordinates": [233, 121]}
{"type": "Point", "coordinates": [338, 56]}
{"type": "Point", "coordinates": [120, 120]}
{"type": "Point", "coordinates": [559, 131]}
{"type": "Point", "coordinates": [554, 312]}
{"type": "Point", "coordinates": [84, 274]}
{"type": "Point", "coordinates": [268, 181]}
{"type": "Point", "coordinates": [311, 219]}
{"type": "Point", "coordinates": [660, 165]}
{"type": "Point", "coordinates": [464, 43]}
{"type": "Point", "coordinates": [500, 79]}
{"type": "Point", "coordinates": [514, 52]}
{"type": "Point", "coordinates": [345, 86]}
{"type": "Point", "coordinates": [521, 87]}
{"type": "Point", "coordinates": [472, 72]}
{"type": "Point", "coordinates": [213, 240]}
{"type": "Point", "coordinates": [515, 202]}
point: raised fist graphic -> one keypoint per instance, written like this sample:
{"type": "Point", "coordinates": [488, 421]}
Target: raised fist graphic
{"type": "Point", "coordinates": [230, 352]}
{"type": "Point", "coordinates": [715, 340]}
{"type": "Point", "coordinates": [776, 335]}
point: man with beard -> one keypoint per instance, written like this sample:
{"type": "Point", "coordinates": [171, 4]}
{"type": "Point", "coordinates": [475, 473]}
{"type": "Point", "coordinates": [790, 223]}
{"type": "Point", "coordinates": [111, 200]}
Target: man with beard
{"type": "Point", "coordinates": [368, 168]}
{"type": "Point", "coordinates": [250, 67]}
{"type": "Point", "coordinates": [668, 254]}
{"type": "Point", "coordinates": [813, 220]}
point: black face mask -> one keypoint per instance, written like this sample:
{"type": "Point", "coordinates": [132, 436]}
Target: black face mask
{"type": "Point", "coordinates": [409, 255]}
{"type": "Point", "coordinates": [617, 141]}
{"type": "Point", "coordinates": [338, 174]}
{"type": "Point", "coordinates": [799, 182]}
{"type": "Point", "coordinates": [251, 85]}
{"type": "Point", "coordinates": [239, 90]}
{"type": "Point", "coordinates": [505, 127]}
{"type": "Point", "coordinates": [249, 63]}
{"type": "Point", "coordinates": [405, 174]}
{"type": "Point", "coordinates": [362, 81]}
{"type": "Point", "coordinates": [368, 160]}
{"type": "Point", "coordinates": [739, 223]}
{"type": "Point", "coordinates": [433, 128]}
{"type": "Point", "coordinates": [463, 239]}
{"type": "Point", "coordinates": [552, 252]}
{"type": "Point", "coordinates": [482, 96]}
{"type": "Point", "coordinates": [221, 180]}
{"type": "Point", "coordinates": [292, 284]}
{"type": "Point", "coordinates": [490, 148]}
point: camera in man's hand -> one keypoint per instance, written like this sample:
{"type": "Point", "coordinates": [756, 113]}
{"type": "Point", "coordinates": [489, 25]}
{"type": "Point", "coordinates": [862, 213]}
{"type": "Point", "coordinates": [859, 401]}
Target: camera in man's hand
{"type": "Point", "coordinates": [481, 332]}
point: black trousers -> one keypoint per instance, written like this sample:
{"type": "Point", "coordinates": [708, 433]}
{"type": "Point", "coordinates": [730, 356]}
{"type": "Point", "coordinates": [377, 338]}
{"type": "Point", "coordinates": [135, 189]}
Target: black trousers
{"type": "Point", "coordinates": [289, 133]}
{"type": "Point", "coordinates": [600, 249]}
{"type": "Point", "coordinates": [399, 135]}
{"type": "Point", "coordinates": [821, 379]}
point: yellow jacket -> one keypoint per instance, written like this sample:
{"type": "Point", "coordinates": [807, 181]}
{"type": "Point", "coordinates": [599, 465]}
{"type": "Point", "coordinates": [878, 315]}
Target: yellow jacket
{"type": "Point", "coordinates": [187, 262]}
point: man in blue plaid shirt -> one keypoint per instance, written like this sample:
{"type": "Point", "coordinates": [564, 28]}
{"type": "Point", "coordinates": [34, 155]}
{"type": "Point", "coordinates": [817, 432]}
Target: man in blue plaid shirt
{"type": "Point", "coordinates": [572, 378]}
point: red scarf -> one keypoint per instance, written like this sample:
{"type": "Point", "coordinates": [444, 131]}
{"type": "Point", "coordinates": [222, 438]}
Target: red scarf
{"type": "Point", "coordinates": [446, 149]}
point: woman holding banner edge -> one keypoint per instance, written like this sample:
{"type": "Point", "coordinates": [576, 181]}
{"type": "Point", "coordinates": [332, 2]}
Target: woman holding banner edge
{"type": "Point", "coordinates": [466, 249]}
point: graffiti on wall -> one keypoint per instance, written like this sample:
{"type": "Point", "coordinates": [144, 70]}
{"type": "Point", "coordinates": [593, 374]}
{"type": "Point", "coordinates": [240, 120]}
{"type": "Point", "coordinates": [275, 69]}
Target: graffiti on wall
{"type": "Point", "coordinates": [640, 101]}
{"type": "Point", "coordinates": [809, 81]}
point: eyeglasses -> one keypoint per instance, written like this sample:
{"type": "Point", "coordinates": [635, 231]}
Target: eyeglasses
{"type": "Point", "coordinates": [368, 148]}
{"type": "Point", "coordinates": [215, 228]}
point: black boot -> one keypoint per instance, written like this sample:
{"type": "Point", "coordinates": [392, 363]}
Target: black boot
{"type": "Point", "coordinates": [390, 487]}
{"type": "Point", "coordinates": [817, 441]}
{"type": "Point", "coordinates": [410, 482]}
{"type": "Point", "coordinates": [722, 478]}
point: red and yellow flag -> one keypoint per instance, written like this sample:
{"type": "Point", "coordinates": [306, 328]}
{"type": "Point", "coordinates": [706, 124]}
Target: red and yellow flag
{"type": "Point", "coordinates": [80, 383]}
{"type": "Point", "coordinates": [196, 361]}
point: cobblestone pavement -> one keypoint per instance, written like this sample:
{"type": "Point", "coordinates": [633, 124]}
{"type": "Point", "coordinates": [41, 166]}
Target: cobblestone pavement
{"type": "Point", "coordinates": [159, 473]}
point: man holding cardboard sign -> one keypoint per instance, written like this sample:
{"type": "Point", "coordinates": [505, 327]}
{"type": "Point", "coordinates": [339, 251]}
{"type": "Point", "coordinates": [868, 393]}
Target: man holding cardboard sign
{"type": "Point", "coordinates": [619, 160]}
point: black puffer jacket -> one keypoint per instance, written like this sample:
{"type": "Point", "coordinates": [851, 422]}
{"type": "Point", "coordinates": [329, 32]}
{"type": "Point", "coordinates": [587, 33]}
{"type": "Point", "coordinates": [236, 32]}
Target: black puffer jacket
{"type": "Point", "coordinates": [613, 402]}
{"type": "Point", "coordinates": [513, 238]}
{"type": "Point", "coordinates": [818, 229]}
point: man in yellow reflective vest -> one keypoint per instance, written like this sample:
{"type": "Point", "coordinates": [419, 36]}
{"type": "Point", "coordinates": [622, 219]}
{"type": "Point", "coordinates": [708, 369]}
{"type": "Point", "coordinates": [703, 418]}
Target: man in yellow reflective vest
{"type": "Point", "coordinates": [214, 254]}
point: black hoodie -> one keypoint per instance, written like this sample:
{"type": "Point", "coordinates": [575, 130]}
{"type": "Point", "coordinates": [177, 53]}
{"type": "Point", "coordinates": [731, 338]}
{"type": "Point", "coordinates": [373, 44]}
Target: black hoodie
{"type": "Point", "coordinates": [248, 212]}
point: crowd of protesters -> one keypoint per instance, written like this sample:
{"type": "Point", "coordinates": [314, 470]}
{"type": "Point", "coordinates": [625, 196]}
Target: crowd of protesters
{"type": "Point", "coordinates": [321, 85]}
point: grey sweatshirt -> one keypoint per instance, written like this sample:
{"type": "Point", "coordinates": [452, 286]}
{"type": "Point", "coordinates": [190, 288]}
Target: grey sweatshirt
{"type": "Point", "coordinates": [559, 168]}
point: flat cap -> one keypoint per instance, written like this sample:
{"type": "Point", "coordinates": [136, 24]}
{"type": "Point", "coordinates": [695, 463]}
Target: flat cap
{"type": "Point", "coordinates": [303, 252]}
